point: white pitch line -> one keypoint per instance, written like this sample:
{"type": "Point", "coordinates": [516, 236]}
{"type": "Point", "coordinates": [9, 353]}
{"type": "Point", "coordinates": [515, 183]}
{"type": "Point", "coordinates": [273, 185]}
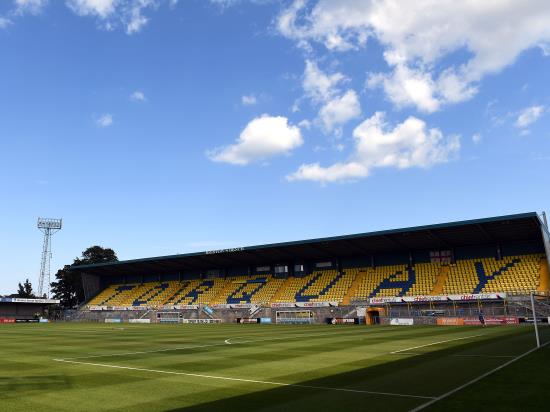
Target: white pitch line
{"type": "Point", "coordinates": [480, 377]}
{"type": "Point", "coordinates": [198, 375]}
{"type": "Point", "coordinates": [435, 343]}
{"type": "Point", "coordinates": [105, 355]}
{"type": "Point", "coordinates": [405, 353]}
{"type": "Point", "coordinates": [482, 356]}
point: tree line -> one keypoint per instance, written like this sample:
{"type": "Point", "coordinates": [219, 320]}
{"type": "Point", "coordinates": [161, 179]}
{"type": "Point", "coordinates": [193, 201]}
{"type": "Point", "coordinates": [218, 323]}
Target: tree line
{"type": "Point", "coordinates": [68, 286]}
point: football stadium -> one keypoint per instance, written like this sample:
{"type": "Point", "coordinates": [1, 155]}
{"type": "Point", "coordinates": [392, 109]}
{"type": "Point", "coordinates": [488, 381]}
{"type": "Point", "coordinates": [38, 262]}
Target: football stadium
{"type": "Point", "coordinates": [449, 316]}
{"type": "Point", "coordinates": [274, 205]}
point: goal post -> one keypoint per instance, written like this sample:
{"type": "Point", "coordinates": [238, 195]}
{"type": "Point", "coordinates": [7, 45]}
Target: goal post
{"type": "Point", "coordinates": [169, 317]}
{"type": "Point", "coordinates": [540, 309]}
{"type": "Point", "coordinates": [537, 337]}
{"type": "Point", "coordinates": [294, 317]}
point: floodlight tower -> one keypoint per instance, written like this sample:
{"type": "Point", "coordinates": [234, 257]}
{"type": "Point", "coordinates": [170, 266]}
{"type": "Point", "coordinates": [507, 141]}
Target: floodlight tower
{"type": "Point", "coordinates": [48, 227]}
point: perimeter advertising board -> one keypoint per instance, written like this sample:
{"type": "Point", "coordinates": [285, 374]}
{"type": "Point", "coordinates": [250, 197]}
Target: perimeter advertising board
{"type": "Point", "coordinates": [402, 321]}
{"type": "Point", "coordinates": [450, 321]}
{"type": "Point", "coordinates": [440, 298]}
{"type": "Point", "coordinates": [493, 320]}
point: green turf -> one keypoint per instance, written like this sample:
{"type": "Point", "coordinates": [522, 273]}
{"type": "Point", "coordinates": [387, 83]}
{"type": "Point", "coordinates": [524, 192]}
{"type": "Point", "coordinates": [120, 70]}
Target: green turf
{"type": "Point", "coordinates": [317, 359]}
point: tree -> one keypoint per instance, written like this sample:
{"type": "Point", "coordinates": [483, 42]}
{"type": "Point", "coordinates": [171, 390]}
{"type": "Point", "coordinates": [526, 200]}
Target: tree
{"type": "Point", "coordinates": [24, 290]}
{"type": "Point", "coordinates": [68, 288]}
{"type": "Point", "coordinates": [96, 254]}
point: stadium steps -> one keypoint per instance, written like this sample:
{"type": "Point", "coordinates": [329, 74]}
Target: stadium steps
{"type": "Point", "coordinates": [281, 290]}
{"type": "Point", "coordinates": [182, 295]}
{"type": "Point", "coordinates": [201, 293]}
{"type": "Point", "coordinates": [247, 290]}
{"type": "Point", "coordinates": [300, 295]}
{"type": "Point", "coordinates": [178, 293]}
{"type": "Point", "coordinates": [544, 276]}
{"type": "Point", "coordinates": [441, 280]}
{"type": "Point", "coordinates": [153, 296]}
{"type": "Point", "coordinates": [231, 285]}
{"type": "Point", "coordinates": [265, 294]}
{"type": "Point", "coordinates": [359, 276]}
{"type": "Point", "coordinates": [121, 292]}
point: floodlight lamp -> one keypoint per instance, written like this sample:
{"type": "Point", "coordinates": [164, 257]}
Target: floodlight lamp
{"type": "Point", "coordinates": [45, 223]}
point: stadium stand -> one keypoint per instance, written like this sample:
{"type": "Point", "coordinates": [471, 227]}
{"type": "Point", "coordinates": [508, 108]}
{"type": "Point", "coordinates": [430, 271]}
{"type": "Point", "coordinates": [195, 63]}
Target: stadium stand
{"type": "Point", "coordinates": [518, 274]}
{"type": "Point", "coordinates": [244, 289]}
{"type": "Point", "coordinates": [267, 293]}
{"type": "Point", "coordinates": [326, 285]}
{"type": "Point", "coordinates": [385, 281]}
{"type": "Point", "coordinates": [178, 292]}
{"type": "Point", "coordinates": [114, 295]}
{"type": "Point", "coordinates": [202, 292]}
{"type": "Point", "coordinates": [494, 255]}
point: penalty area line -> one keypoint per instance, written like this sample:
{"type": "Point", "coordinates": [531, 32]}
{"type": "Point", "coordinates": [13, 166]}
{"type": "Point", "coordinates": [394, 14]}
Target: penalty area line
{"type": "Point", "coordinates": [225, 378]}
{"type": "Point", "coordinates": [480, 377]}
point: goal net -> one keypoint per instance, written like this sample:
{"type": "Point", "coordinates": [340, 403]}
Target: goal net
{"type": "Point", "coordinates": [207, 320]}
{"type": "Point", "coordinates": [540, 309]}
{"type": "Point", "coordinates": [168, 317]}
{"type": "Point", "coordinates": [294, 316]}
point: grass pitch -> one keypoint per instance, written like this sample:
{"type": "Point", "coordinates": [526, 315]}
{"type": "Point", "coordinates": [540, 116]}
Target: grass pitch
{"type": "Point", "coordinates": [101, 367]}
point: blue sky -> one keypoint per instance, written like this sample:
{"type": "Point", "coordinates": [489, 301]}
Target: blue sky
{"type": "Point", "coordinates": [158, 127]}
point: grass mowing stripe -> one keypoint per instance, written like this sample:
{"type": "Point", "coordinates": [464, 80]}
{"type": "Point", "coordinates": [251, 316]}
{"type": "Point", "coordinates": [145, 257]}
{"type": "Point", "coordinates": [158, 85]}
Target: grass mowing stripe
{"type": "Point", "coordinates": [480, 377]}
{"type": "Point", "coordinates": [335, 333]}
{"type": "Point", "coordinates": [294, 336]}
{"type": "Point", "coordinates": [403, 351]}
{"type": "Point", "coordinates": [198, 375]}
{"type": "Point", "coordinates": [324, 356]}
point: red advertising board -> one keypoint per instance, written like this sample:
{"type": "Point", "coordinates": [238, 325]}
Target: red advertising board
{"type": "Point", "coordinates": [7, 320]}
{"type": "Point", "coordinates": [450, 321]}
{"type": "Point", "coordinates": [493, 320]}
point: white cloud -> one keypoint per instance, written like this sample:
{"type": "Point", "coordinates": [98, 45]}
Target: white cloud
{"type": "Point", "coordinates": [418, 35]}
{"type": "Point", "coordinates": [524, 132]}
{"type": "Point", "coordinates": [136, 20]}
{"type": "Point", "coordinates": [29, 6]}
{"type": "Point", "coordinates": [249, 100]}
{"type": "Point", "coordinates": [265, 136]}
{"type": "Point", "coordinates": [318, 86]}
{"type": "Point", "coordinates": [20, 8]}
{"type": "Point", "coordinates": [337, 108]}
{"type": "Point", "coordinates": [305, 124]}
{"type": "Point", "coordinates": [336, 172]}
{"type": "Point", "coordinates": [110, 13]}
{"type": "Point", "coordinates": [340, 110]}
{"type": "Point", "coordinates": [477, 138]}
{"type": "Point", "coordinates": [4, 22]}
{"type": "Point", "coordinates": [405, 86]}
{"type": "Point", "coordinates": [225, 3]}
{"type": "Point", "coordinates": [377, 144]}
{"type": "Point", "coordinates": [414, 87]}
{"type": "Point", "coordinates": [138, 96]}
{"type": "Point", "coordinates": [105, 120]}
{"type": "Point", "coordinates": [99, 8]}
{"type": "Point", "coordinates": [528, 116]}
